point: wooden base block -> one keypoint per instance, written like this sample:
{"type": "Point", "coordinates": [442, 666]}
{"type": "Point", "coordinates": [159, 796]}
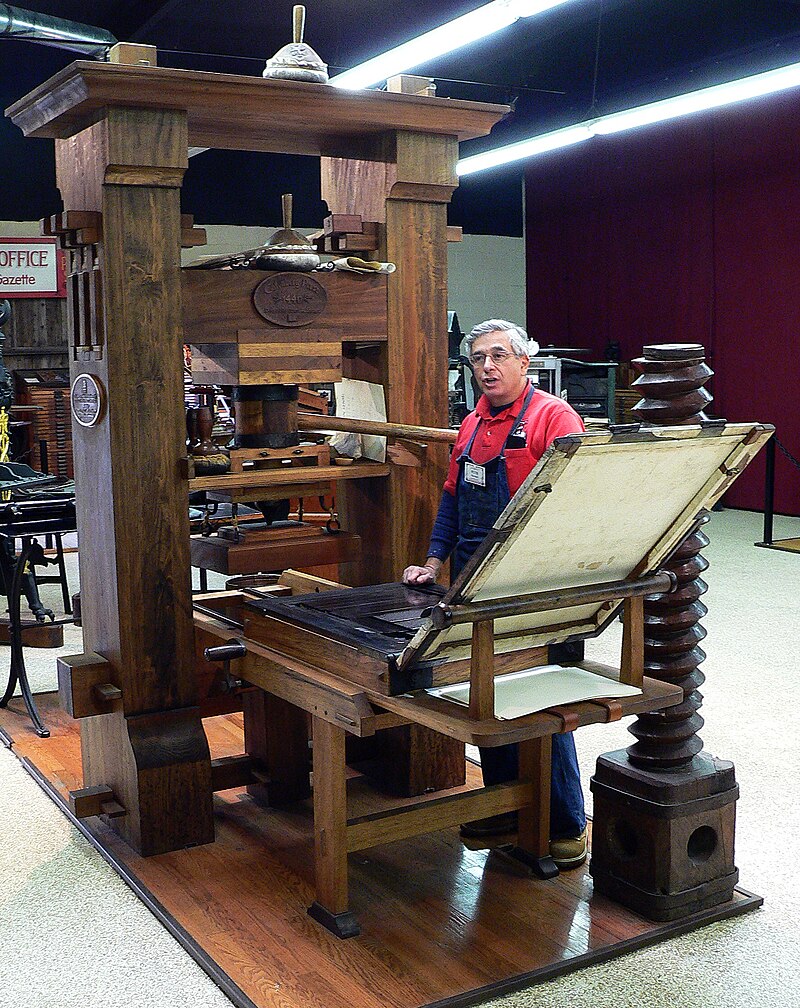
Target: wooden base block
{"type": "Point", "coordinates": [441, 923]}
{"type": "Point", "coordinates": [542, 867]}
{"type": "Point", "coordinates": [38, 635]}
{"type": "Point", "coordinates": [785, 545]}
{"type": "Point", "coordinates": [343, 925]}
{"type": "Point", "coordinates": [663, 841]}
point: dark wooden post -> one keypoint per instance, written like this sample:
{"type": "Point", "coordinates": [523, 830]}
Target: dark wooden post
{"type": "Point", "coordinates": [664, 810]}
{"type": "Point", "coordinates": [408, 194]}
{"type": "Point", "coordinates": [131, 499]}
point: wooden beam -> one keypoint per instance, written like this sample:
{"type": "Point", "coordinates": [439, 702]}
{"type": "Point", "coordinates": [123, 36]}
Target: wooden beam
{"type": "Point", "coordinates": [631, 669]}
{"type": "Point", "coordinates": [248, 113]}
{"type": "Point", "coordinates": [535, 768]}
{"type": "Point", "coordinates": [330, 817]}
{"type": "Point", "coordinates": [151, 750]}
{"type": "Point", "coordinates": [481, 677]}
{"type": "Point", "coordinates": [432, 814]}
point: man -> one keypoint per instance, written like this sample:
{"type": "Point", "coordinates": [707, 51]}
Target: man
{"type": "Point", "coordinates": [498, 445]}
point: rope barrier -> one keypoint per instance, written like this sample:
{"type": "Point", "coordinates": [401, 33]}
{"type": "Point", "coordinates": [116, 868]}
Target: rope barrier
{"type": "Point", "coordinates": [786, 452]}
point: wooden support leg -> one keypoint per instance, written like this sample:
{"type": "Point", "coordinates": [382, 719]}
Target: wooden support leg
{"type": "Point", "coordinates": [481, 677]}
{"type": "Point", "coordinates": [276, 734]}
{"type": "Point", "coordinates": [533, 840]}
{"type": "Point", "coordinates": [632, 661]}
{"type": "Point", "coordinates": [330, 832]}
{"type": "Point", "coordinates": [132, 516]}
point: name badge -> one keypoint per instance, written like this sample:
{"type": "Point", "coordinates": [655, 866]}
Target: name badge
{"type": "Point", "coordinates": [475, 474]}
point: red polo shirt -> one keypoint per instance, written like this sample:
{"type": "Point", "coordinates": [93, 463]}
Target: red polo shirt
{"type": "Point", "coordinates": [546, 418]}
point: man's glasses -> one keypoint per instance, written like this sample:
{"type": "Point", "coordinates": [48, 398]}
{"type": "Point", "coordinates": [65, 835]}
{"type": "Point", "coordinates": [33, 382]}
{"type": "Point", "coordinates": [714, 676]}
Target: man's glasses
{"type": "Point", "coordinates": [498, 356]}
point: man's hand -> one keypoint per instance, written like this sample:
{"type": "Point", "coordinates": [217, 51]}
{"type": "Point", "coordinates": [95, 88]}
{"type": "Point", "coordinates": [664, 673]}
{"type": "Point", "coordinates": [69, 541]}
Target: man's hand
{"type": "Point", "coordinates": [422, 575]}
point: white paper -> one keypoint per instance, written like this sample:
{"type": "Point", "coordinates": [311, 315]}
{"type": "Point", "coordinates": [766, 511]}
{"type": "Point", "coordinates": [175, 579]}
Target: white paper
{"type": "Point", "coordinates": [360, 400]}
{"type": "Point", "coordinates": [520, 693]}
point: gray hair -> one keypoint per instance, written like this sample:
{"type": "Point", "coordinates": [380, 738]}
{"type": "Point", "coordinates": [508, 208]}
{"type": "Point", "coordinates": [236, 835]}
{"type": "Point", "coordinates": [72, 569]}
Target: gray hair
{"type": "Point", "coordinates": [517, 337]}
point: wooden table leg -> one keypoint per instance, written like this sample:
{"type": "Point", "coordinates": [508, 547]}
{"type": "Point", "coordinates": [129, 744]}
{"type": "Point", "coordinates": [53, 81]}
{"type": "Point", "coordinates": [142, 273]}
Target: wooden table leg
{"type": "Point", "coordinates": [533, 839]}
{"type": "Point", "coordinates": [330, 832]}
{"type": "Point", "coordinates": [276, 734]}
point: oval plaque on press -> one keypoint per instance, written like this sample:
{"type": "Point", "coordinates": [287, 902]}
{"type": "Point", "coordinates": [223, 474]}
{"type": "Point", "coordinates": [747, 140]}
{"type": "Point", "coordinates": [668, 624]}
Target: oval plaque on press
{"type": "Point", "coordinates": [290, 299]}
{"type": "Point", "coordinates": [86, 399]}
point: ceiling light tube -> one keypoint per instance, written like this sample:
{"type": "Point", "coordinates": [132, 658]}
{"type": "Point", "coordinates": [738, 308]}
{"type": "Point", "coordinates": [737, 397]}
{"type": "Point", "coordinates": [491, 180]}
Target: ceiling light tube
{"type": "Point", "coordinates": [716, 96]}
{"type": "Point", "coordinates": [462, 31]}
{"type": "Point", "coordinates": [566, 137]}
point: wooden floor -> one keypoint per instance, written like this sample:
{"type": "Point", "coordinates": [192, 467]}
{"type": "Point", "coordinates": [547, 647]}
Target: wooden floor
{"type": "Point", "coordinates": [441, 924]}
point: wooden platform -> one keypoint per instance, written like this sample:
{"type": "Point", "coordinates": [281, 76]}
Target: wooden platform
{"type": "Point", "coordinates": [441, 924]}
{"type": "Point", "coordinates": [785, 545]}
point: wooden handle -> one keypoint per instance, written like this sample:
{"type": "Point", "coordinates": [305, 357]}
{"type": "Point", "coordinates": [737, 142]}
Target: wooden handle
{"type": "Point", "coordinates": [298, 26]}
{"type": "Point", "coordinates": [286, 204]}
{"type": "Point", "coordinates": [316, 422]}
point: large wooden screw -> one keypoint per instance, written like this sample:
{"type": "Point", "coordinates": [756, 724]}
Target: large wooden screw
{"type": "Point", "coordinates": [672, 383]}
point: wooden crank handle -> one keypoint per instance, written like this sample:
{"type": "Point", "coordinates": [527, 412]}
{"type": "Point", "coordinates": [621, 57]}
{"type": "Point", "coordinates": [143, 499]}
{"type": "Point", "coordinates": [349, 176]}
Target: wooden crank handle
{"type": "Point", "coordinates": [230, 651]}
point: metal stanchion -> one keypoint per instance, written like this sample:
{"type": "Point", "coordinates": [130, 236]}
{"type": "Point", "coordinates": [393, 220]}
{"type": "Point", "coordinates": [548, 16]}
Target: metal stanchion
{"type": "Point", "coordinates": [786, 545]}
{"type": "Point", "coordinates": [769, 493]}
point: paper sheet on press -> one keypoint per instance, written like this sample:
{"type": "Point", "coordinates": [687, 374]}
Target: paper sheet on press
{"type": "Point", "coordinates": [531, 690]}
{"type": "Point", "coordinates": [360, 400]}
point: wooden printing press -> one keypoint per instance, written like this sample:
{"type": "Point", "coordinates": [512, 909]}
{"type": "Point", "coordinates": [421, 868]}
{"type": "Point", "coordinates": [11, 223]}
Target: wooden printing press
{"type": "Point", "coordinates": [121, 138]}
{"type": "Point", "coordinates": [585, 533]}
{"type": "Point", "coordinates": [588, 530]}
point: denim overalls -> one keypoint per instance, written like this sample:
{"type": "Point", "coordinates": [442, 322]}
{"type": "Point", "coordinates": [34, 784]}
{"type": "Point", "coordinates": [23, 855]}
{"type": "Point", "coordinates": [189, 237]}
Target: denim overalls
{"type": "Point", "coordinates": [481, 496]}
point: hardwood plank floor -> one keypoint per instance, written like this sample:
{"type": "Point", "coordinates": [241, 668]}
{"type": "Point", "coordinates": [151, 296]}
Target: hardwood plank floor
{"type": "Point", "coordinates": [441, 923]}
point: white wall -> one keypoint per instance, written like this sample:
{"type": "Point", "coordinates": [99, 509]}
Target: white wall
{"type": "Point", "coordinates": [486, 279]}
{"type": "Point", "coordinates": [19, 229]}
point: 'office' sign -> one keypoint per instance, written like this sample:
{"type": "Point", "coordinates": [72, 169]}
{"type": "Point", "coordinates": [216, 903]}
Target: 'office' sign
{"type": "Point", "coordinates": [31, 267]}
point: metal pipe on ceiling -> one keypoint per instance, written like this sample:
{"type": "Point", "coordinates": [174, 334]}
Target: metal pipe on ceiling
{"type": "Point", "coordinates": [54, 31]}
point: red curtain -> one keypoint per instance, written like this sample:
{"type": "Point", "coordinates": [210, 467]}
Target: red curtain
{"type": "Point", "coordinates": [687, 232]}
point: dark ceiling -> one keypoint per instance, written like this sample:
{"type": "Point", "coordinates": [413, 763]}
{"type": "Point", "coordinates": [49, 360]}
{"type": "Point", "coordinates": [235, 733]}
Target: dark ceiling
{"type": "Point", "coordinates": [583, 59]}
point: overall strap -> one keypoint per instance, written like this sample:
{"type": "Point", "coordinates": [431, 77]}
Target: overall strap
{"type": "Point", "coordinates": [526, 403]}
{"type": "Point", "coordinates": [521, 413]}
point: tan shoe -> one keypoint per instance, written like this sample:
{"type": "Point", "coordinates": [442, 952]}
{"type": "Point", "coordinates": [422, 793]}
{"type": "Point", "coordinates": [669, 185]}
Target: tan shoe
{"type": "Point", "coordinates": [569, 853]}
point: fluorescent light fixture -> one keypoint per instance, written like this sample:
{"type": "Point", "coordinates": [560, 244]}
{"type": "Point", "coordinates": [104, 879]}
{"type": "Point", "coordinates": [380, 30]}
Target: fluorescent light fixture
{"type": "Point", "coordinates": [524, 149]}
{"type": "Point", "coordinates": [460, 32]}
{"type": "Point", "coordinates": [716, 96]}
